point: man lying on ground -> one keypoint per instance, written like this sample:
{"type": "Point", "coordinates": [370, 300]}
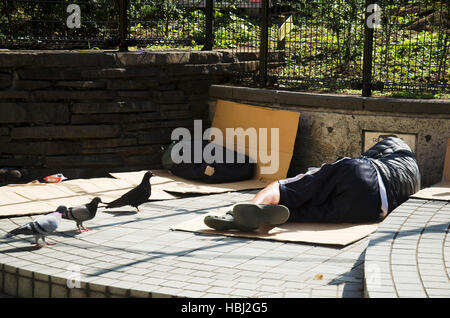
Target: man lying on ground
{"type": "Point", "coordinates": [349, 190]}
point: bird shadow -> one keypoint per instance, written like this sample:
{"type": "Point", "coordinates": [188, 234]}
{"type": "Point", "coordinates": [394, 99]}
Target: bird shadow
{"type": "Point", "coordinates": [68, 232]}
{"type": "Point", "coordinates": [29, 248]}
{"type": "Point", "coordinates": [119, 213]}
{"type": "Point", "coordinates": [443, 194]}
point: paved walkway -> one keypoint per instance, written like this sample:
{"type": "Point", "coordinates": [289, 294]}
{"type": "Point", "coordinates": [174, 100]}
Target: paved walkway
{"type": "Point", "coordinates": [136, 254]}
{"type": "Point", "coordinates": [409, 255]}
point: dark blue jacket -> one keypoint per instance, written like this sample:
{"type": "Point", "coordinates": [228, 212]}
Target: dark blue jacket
{"type": "Point", "coordinates": [397, 165]}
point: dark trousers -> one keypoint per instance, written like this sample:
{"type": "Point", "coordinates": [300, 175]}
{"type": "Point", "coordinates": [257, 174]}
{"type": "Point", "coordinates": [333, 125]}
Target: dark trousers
{"type": "Point", "coordinates": [345, 191]}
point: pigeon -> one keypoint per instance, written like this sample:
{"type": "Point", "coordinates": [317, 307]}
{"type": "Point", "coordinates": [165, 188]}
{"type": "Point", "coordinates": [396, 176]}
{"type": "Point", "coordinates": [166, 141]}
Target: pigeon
{"type": "Point", "coordinates": [41, 227]}
{"type": "Point", "coordinates": [136, 196]}
{"type": "Point", "coordinates": [82, 213]}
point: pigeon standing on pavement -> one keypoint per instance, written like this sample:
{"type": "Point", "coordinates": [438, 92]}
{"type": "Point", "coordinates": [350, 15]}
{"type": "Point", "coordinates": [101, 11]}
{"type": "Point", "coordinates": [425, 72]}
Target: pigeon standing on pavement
{"type": "Point", "coordinates": [41, 227]}
{"type": "Point", "coordinates": [82, 213]}
{"type": "Point", "coordinates": [135, 197]}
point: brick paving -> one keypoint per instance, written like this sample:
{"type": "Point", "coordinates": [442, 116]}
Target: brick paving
{"type": "Point", "coordinates": [130, 254]}
{"type": "Point", "coordinates": [409, 255]}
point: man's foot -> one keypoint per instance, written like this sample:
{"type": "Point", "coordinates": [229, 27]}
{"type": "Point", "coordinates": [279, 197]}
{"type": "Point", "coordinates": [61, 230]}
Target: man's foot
{"type": "Point", "coordinates": [254, 215]}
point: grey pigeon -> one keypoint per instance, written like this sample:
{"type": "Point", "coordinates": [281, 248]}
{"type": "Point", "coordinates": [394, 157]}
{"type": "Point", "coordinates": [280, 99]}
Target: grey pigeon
{"type": "Point", "coordinates": [82, 213]}
{"type": "Point", "coordinates": [135, 197]}
{"type": "Point", "coordinates": [41, 227]}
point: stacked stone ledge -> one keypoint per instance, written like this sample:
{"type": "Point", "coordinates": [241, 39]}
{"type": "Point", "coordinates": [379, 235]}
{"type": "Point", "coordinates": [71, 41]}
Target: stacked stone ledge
{"type": "Point", "coordinates": [89, 113]}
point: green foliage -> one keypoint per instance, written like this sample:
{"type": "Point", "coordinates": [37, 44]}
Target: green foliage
{"type": "Point", "coordinates": [232, 31]}
{"type": "Point", "coordinates": [326, 44]}
{"type": "Point", "coordinates": [33, 19]}
{"type": "Point", "coordinates": [411, 59]}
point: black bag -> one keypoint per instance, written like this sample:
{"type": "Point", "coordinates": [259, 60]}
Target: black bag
{"type": "Point", "coordinates": [215, 172]}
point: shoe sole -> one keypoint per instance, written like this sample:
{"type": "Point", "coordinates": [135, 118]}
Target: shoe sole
{"type": "Point", "coordinates": [223, 223]}
{"type": "Point", "coordinates": [250, 215]}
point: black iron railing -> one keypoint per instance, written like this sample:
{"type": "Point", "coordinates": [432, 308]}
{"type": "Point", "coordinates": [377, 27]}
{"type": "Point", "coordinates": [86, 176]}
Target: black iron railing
{"type": "Point", "coordinates": [365, 45]}
{"type": "Point", "coordinates": [362, 45]}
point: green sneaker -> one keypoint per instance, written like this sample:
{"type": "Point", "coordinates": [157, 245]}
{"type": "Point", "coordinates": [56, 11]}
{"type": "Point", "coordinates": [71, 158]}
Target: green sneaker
{"type": "Point", "coordinates": [251, 215]}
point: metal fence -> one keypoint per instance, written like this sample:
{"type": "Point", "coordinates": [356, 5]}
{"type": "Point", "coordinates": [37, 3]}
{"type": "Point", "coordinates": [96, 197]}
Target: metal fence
{"type": "Point", "coordinates": [411, 46]}
{"type": "Point", "coordinates": [316, 44]}
{"type": "Point", "coordinates": [400, 46]}
{"type": "Point", "coordinates": [386, 45]}
{"type": "Point", "coordinates": [57, 24]}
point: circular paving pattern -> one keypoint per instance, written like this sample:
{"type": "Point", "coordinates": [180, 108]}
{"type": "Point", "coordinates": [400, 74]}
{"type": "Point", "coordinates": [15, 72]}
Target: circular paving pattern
{"type": "Point", "coordinates": [409, 255]}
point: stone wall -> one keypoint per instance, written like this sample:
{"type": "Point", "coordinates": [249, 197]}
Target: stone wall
{"type": "Point", "coordinates": [88, 113]}
{"type": "Point", "coordinates": [332, 126]}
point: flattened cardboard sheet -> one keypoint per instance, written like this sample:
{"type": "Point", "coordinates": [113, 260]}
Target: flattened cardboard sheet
{"type": "Point", "coordinates": [37, 198]}
{"type": "Point", "coordinates": [259, 120]}
{"type": "Point", "coordinates": [43, 192]}
{"type": "Point", "coordinates": [165, 181]}
{"type": "Point", "coordinates": [27, 208]}
{"type": "Point", "coordinates": [8, 196]}
{"type": "Point", "coordinates": [316, 233]}
{"type": "Point", "coordinates": [441, 190]}
{"type": "Point", "coordinates": [447, 162]}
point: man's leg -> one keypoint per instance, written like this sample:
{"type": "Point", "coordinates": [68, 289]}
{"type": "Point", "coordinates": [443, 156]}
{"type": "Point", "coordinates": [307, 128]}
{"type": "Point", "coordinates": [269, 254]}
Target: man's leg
{"type": "Point", "coordinates": [337, 192]}
{"type": "Point", "coordinates": [345, 191]}
{"type": "Point", "coordinates": [272, 204]}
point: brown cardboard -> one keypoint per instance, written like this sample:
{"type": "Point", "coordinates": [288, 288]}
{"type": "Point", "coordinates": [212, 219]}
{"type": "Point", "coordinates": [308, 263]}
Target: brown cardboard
{"type": "Point", "coordinates": [317, 233]}
{"type": "Point", "coordinates": [446, 173]}
{"type": "Point", "coordinates": [8, 196]}
{"type": "Point", "coordinates": [441, 190]}
{"type": "Point", "coordinates": [27, 208]}
{"type": "Point", "coordinates": [44, 192]}
{"type": "Point", "coordinates": [36, 198]}
{"type": "Point", "coordinates": [235, 115]}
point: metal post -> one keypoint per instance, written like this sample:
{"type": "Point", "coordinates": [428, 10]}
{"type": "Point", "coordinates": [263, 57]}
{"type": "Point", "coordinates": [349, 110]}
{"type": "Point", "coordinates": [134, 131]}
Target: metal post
{"type": "Point", "coordinates": [368, 51]}
{"type": "Point", "coordinates": [281, 43]}
{"type": "Point", "coordinates": [209, 26]}
{"type": "Point", "coordinates": [264, 43]}
{"type": "Point", "coordinates": [123, 25]}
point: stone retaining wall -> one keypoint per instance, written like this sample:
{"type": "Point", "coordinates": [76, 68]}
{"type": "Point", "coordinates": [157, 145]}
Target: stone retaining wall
{"type": "Point", "coordinates": [88, 113]}
{"type": "Point", "coordinates": [332, 126]}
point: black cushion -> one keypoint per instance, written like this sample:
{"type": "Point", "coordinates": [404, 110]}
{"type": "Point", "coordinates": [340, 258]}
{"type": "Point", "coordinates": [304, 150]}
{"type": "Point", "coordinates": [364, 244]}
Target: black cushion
{"type": "Point", "coordinates": [215, 172]}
